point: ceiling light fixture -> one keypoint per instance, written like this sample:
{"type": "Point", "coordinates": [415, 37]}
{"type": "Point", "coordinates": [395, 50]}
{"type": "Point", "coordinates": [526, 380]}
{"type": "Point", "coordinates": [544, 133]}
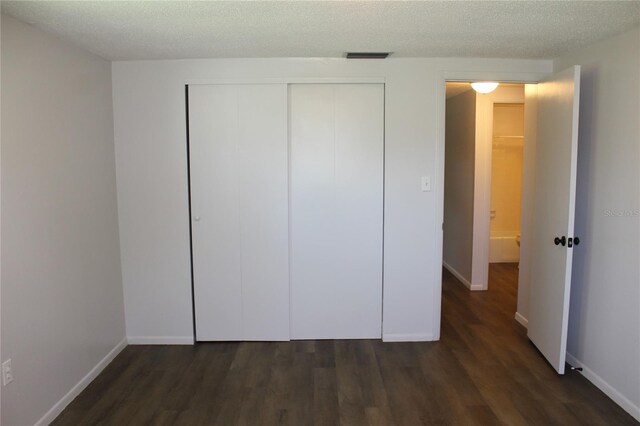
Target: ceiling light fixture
{"type": "Point", "coordinates": [484, 86]}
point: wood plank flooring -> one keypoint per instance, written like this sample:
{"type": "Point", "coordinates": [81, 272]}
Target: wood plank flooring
{"type": "Point", "coordinates": [482, 371]}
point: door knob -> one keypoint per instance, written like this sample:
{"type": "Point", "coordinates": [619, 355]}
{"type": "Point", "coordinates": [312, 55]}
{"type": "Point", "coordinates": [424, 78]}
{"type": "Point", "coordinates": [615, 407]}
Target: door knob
{"type": "Point", "coordinates": [560, 241]}
{"type": "Point", "coordinates": [196, 218]}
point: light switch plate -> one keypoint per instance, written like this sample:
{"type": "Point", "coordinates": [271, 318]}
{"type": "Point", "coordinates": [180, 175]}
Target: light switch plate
{"type": "Point", "coordinates": [425, 183]}
{"type": "Point", "coordinates": [7, 374]}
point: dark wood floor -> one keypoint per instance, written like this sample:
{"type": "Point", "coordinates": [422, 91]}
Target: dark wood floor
{"type": "Point", "coordinates": [482, 371]}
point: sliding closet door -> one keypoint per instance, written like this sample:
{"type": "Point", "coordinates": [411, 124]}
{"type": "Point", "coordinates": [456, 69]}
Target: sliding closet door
{"type": "Point", "coordinates": [239, 204]}
{"type": "Point", "coordinates": [336, 160]}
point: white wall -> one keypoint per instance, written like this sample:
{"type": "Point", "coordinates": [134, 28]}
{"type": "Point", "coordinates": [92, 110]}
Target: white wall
{"type": "Point", "coordinates": [604, 331]}
{"type": "Point", "coordinates": [482, 180]}
{"type": "Point", "coordinates": [62, 302]}
{"type": "Point", "coordinates": [149, 116]}
{"type": "Point", "coordinates": [459, 167]}
{"type": "Point", "coordinates": [528, 192]}
{"type": "Point", "coordinates": [506, 175]}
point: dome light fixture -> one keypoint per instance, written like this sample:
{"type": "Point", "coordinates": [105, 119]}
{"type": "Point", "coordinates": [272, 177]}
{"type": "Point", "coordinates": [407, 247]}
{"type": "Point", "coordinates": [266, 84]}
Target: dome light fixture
{"type": "Point", "coordinates": [484, 86]}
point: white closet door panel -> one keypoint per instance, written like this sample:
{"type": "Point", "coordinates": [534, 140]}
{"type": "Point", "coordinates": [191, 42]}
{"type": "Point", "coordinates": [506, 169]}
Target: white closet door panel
{"type": "Point", "coordinates": [312, 211]}
{"type": "Point", "coordinates": [213, 135]}
{"type": "Point", "coordinates": [336, 210]}
{"type": "Point", "coordinates": [239, 196]}
{"type": "Point", "coordinates": [264, 211]}
{"type": "Point", "coordinates": [359, 136]}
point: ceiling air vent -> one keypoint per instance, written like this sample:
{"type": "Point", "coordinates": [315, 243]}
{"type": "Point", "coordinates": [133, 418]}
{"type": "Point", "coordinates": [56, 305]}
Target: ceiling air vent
{"type": "Point", "coordinates": [367, 55]}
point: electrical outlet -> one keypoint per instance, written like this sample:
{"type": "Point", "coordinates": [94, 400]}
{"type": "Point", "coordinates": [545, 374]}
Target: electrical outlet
{"type": "Point", "coordinates": [7, 374]}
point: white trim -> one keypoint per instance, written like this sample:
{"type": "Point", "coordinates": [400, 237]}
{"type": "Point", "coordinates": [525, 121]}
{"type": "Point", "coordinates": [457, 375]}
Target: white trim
{"type": "Point", "coordinates": [463, 280]}
{"type": "Point", "coordinates": [417, 337]}
{"type": "Point", "coordinates": [438, 223]}
{"type": "Point", "coordinates": [605, 387]}
{"type": "Point", "coordinates": [501, 76]}
{"type": "Point", "coordinates": [289, 80]}
{"type": "Point", "coordinates": [522, 320]}
{"type": "Point", "coordinates": [59, 406]}
{"type": "Point", "coordinates": [160, 340]}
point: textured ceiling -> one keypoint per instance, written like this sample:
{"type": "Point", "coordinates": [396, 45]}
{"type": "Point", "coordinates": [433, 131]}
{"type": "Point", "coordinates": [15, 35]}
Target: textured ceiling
{"type": "Point", "coordinates": [185, 29]}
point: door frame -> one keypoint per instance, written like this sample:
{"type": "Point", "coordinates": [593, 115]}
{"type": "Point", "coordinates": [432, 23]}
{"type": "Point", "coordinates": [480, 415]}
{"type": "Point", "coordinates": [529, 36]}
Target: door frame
{"type": "Point", "coordinates": [440, 89]}
{"type": "Point", "coordinates": [292, 80]}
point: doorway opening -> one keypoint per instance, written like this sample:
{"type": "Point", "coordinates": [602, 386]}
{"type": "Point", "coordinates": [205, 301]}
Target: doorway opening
{"type": "Point", "coordinates": [549, 178]}
{"type": "Point", "coordinates": [483, 184]}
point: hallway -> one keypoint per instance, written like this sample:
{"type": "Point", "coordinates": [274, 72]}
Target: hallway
{"type": "Point", "coordinates": [483, 371]}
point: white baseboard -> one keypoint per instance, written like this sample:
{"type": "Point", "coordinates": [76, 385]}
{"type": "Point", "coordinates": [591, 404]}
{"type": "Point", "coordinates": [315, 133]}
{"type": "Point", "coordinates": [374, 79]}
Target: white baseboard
{"type": "Point", "coordinates": [160, 340]}
{"type": "Point", "coordinates": [605, 387]}
{"type": "Point", "coordinates": [55, 411]}
{"type": "Point", "coordinates": [390, 337]}
{"type": "Point", "coordinates": [522, 320]}
{"type": "Point", "coordinates": [463, 280]}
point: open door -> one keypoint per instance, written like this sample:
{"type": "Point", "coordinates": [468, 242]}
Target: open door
{"type": "Point", "coordinates": [553, 221]}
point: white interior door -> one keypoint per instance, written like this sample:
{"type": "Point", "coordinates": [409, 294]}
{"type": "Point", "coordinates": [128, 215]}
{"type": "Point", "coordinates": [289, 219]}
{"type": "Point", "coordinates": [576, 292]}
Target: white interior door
{"type": "Point", "coordinates": [555, 187]}
{"type": "Point", "coordinates": [336, 201]}
{"type": "Point", "coordinates": [239, 204]}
